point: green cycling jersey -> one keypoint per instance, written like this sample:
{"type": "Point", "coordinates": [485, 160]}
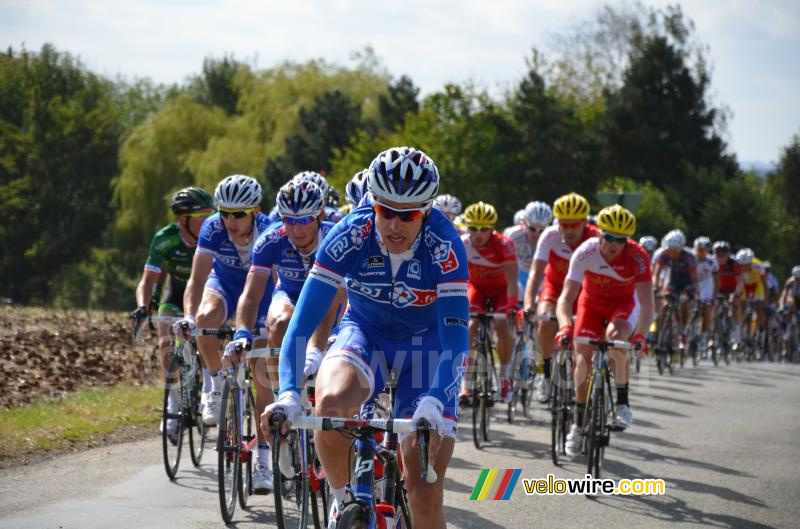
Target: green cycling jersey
{"type": "Point", "coordinates": [169, 251]}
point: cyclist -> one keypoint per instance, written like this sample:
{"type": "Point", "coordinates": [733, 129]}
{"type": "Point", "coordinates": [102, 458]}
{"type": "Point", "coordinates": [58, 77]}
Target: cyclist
{"type": "Point", "coordinates": [172, 248]}
{"type": "Point", "coordinates": [356, 189]}
{"type": "Point", "coordinates": [418, 327]}
{"type": "Point", "coordinates": [649, 243]}
{"type": "Point", "coordinates": [492, 276]}
{"type": "Point", "coordinates": [219, 271]}
{"type": "Point", "coordinates": [708, 283]}
{"type": "Point", "coordinates": [682, 277]}
{"type": "Point", "coordinates": [332, 214]}
{"type": "Point", "coordinates": [289, 249]}
{"type": "Point", "coordinates": [518, 216]}
{"type": "Point", "coordinates": [550, 262]}
{"type": "Point", "coordinates": [604, 272]}
{"type": "Point", "coordinates": [754, 287]}
{"type": "Point", "coordinates": [449, 205]}
{"type": "Point", "coordinates": [788, 304]}
{"type": "Point", "coordinates": [537, 216]}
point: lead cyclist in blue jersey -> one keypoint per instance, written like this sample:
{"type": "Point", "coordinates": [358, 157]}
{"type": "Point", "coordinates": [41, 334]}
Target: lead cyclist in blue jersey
{"type": "Point", "coordinates": [289, 249]}
{"type": "Point", "coordinates": [405, 269]}
{"type": "Point", "coordinates": [219, 270]}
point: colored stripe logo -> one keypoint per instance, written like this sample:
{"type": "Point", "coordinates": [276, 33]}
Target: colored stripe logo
{"type": "Point", "coordinates": [495, 484]}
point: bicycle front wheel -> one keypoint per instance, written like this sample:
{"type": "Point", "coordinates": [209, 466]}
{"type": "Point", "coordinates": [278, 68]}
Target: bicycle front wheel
{"type": "Point", "coordinates": [480, 399]}
{"type": "Point", "coordinates": [198, 431]}
{"type": "Point", "coordinates": [229, 464]}
{"type": "Point", "coordinates": [172, 421]}
{"type": "Point", "coordinates": [248, 432]}
{"type": "Point", "coordinates": [596, 438]}
{"type": "Point", "coordinates": [291, 491]}
{"type": "Point", "coordinates": [354, 516]}
{"type": "Point", "coordinates": [559, 403]}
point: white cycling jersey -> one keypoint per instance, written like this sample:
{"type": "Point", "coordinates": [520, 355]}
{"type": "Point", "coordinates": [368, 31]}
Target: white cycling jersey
{"type": "Point", "coordinates": [705, 276]}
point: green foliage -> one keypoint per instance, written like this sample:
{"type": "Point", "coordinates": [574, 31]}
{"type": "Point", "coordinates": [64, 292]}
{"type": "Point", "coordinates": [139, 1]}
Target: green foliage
{"type": "Point", "coordinates": [100, 281]}
{"type": "Point", "coordinates": [401, 100]}
{"type": "Point", "coordinates": [654, 216]}
{"type": "Point", "coordinates": [215, 86]}
{"type": "Point", "coordinates": [60, 130]}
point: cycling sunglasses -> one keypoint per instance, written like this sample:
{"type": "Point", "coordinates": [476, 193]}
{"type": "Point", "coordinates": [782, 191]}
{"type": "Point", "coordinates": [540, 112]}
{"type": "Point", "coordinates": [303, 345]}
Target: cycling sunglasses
{"type": "Point", "coordinates": [236, 214]}
{"type": "Point", "coordinates": [308, 219]}
{"type": "Point", "coordinates": [196, 214]}
{"type": "Point", "coordinates": [483, 228]}
{"type": "Point", "coordinates": [570, 224]}
{"type": "Point", "coordinates": [405, 215]}
{"type": "Point", "coordinates": [614, 238]}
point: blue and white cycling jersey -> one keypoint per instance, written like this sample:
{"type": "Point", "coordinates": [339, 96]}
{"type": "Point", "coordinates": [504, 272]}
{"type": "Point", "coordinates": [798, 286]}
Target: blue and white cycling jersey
{"type": "Point", "coordinates": [425, 298]}
{"type": "Point", "coordinates": [274, 249]}
{"type": "Point", "coordinates": [230, 263]}
{"type": "Point", "coordinates": [332, 215]}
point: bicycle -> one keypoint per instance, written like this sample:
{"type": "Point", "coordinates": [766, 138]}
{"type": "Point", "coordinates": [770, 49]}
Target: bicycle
{"type": "Point", "coordinates": [484, 375]}
{"type": "Point", "coordinates": [723, 326]}
{"type": "Point", "coordinates": [747, 349]}
{"type": "Point", "coordinates": [693, 332]}
{"type": "Point", "coordinates": [523, 366]}
{"type": "Point", "coordinates": [390, 508]}
{"type": "Point", "coordinates": [596, 428]}
{"type": "Point", "coordinates": [297, 475]}
{"type": "Point", "coordinates": [184, 375]}
{"type": "Point", "coordinates": [791, 339]}
{"type": "Point", "coordinates": [667, 333]}
{"type": "Point", "coordinates": [236, 436]}
{"type": "Point", "coordinates": [561, 402]}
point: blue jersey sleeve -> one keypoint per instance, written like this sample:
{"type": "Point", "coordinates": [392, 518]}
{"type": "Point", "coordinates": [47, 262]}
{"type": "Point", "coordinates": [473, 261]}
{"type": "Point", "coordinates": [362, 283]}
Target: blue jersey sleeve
{"type": "Point", "coordinates": [212, 234]}
{"type": "Point", "coordinates": [450, 257]}
{"type": "Point", "coordinates": [334, 257]}
{"type": "Point", "coordinates": [266, 251]}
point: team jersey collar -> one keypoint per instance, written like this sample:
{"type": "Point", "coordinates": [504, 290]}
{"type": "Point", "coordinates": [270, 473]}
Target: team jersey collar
{"type": "Point", "coordinates": [406, 255]}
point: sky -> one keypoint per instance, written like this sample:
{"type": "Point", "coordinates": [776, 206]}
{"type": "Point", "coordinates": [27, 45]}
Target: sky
{"type": "Point", "coordinates": [754, 46]}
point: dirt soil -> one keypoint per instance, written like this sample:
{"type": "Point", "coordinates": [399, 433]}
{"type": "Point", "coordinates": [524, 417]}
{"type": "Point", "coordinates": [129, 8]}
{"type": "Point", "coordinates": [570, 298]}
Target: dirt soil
{"type": "Point", "coordinates": [48, 352]}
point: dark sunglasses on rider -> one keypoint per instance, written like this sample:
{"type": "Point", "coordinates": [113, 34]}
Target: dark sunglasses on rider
{"type": "Point", "coordinates": [236, 213]}
{"type": "Point", "coordinates": [308, 219]}
{"type": "Point", "coordinates": [483, 229]}
{"type": "Point", "coordinates": [613, 238]}
{"type": "Point", "coordinates": [405, 215]}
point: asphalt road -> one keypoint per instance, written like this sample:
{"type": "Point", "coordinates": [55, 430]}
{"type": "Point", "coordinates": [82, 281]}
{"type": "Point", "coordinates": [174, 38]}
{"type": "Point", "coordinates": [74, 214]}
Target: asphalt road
{"type": "Point", "coordinates": [726, 441]}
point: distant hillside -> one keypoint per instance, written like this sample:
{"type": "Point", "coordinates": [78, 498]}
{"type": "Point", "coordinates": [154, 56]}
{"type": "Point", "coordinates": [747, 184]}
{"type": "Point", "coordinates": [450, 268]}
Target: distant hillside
{"type": "Point", "coordinates": [760, 168]}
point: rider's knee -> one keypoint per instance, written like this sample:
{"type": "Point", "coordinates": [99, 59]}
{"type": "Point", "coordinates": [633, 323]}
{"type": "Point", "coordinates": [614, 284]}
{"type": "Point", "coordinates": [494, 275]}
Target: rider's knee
{"type": "Point", "coordinates": [426, 500]}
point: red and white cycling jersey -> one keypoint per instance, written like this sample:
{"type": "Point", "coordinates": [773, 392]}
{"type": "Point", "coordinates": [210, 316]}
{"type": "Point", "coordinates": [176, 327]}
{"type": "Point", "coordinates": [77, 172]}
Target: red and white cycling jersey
{"type": "Point", "coordinates": [552, 249]}
{"type": "Point", "coordinates": [608, 283]}
{"type": "Point", "coordinates": [486, 264]}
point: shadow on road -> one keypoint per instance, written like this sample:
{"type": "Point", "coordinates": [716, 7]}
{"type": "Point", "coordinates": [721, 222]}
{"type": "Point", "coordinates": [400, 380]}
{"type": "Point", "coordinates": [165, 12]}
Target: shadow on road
{"type": "Point", "coordinates": [469, 519]}
{"type": "Point", "coordinates": [643, 454]}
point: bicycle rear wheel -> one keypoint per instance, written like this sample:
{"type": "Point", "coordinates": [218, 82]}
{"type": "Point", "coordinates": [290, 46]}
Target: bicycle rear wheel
{"type": "Point", "coordinates": [291, 493]}
{"type": "Point", "coordinates": [317, 488]}
{"type": "Point", "coordinates": [229, 464]}
{"type": "Point", "coordinates": [172, 442]}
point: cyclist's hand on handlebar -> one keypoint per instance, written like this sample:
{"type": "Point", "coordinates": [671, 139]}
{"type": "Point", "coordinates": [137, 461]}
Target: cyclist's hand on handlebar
{"type": "Point", "coordinates": [242, 341]}
{"type": "Point", "coordinates": [639, 343]}
{"type": "Point", "coordinates": [183, 328]}
{"type": "Point", "coordinates": [288, 405]}
{"type": "Point", "coordinates": [564, 336]}
{"type": "Point", "coordinates": [431, 409]}
{"type": "Point", "coordinates": [313, 360]}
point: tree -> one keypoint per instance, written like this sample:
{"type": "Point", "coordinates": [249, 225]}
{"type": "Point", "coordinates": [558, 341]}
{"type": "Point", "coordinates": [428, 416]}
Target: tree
{"type": "Point", "coordinates": [782, 185]}
{"type": "Point", "coordinates": [59, 132]}
{"type": "Point", "coordinates": [215, 85]}
{"type": "Point", "coordinates": [401, 99]}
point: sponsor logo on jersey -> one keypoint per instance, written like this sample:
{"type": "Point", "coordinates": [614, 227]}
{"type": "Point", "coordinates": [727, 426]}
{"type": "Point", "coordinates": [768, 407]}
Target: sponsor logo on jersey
{"type": "Point", "coordinates": [290, 273]}
{"type": "Point", "coordinates": [228, 260]}
{"type": "Point", "coordinates": [370, 290]}
{"type": "Point", "coordinates": [457, 322]}
{"type": "Point", "coordinates": [348, 241]}
{"type": "Point", "coordinates": [414, 269]}
{"type": "Point", "coordinates": [442, 252]}
{"type": "Point", "coordinates": [403, 296]}
{"type": "Point", "coordinates": [375, 261]}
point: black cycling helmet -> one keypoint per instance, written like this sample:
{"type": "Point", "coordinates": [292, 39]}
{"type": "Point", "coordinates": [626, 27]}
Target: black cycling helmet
{"type": "Point", "coordinates": [191, 199]}
{"type": "Point", "coordinates": [722, 247]}
{"type": "Point", "coordinates": [333, 198]}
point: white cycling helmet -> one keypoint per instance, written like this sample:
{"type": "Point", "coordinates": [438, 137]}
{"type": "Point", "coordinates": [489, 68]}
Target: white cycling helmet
{"type": "Point", "coordinates": [404, 175]}
{"type": "Point", "coordinates": [237, 192]}
{"type": "Point", "coordinates": [312, 176]}
{"type": "Point", "coordinates": [447, 204]}
{"type": "Point", "coordinates": [745, 256]}
{"type": "Point", "coordinates": [356, 188]}
{"type": "Point", "coordinates": [537, 215]}
{"type": "Point", "coordinates": [300, 199]}
{"type": "Point", "coordinates": [702, 242]}
{"type": "Point", "coordinates": [518, 216]}
{"type": "Point", "coordinates": [796, 271]}
{"type": "Point", "coordinates": [649, 243]}
{"type": "Point", "coordinates": [674, 239]}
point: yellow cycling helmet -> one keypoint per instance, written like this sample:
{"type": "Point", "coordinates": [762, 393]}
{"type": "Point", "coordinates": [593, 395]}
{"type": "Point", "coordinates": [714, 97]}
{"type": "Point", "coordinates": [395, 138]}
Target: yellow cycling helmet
{"type": "Point", "coordinates": [571, 207]}
{"type": "Point", "coordinates": [616, 220]}
{"type": "Point", "coordinates": [480, 215]}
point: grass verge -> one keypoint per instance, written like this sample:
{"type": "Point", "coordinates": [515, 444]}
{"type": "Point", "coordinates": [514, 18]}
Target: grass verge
{"type": "Point", "coordinates": [82, 419]}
